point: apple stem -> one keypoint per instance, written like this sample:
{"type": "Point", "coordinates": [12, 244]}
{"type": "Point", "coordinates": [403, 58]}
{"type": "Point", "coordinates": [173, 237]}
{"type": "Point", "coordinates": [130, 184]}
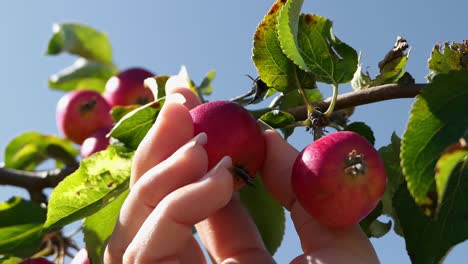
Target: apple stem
{"type": "Point", "coordinates": [242, 174]}
{"type": "Point", "coordinates": [355, 164]}
{"type": "Point", "coordinates": [331, 107]}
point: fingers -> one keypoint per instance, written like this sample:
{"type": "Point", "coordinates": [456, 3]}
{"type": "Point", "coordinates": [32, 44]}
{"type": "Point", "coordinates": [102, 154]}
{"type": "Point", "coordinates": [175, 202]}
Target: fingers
{"type": "Point", "coordinates": [165, 233]}
{"type": "Point", "coordinates": [276, 171]}
{"type": "Point", "coordinates": [230, 234]}
{"type": "Point", "coordinates": [172, 129]}
{"type": "Point", "coordinates": [185, 166]}
{"type": "Point", "coordinates": [316, 239]}
{"type": "Point", "coordinates": [191, 99]}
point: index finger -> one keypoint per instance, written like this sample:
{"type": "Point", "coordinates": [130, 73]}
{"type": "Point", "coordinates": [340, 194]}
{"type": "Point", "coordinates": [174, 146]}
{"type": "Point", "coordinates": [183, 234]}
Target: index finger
{"type": "Point", "coordinates": [276, 171]}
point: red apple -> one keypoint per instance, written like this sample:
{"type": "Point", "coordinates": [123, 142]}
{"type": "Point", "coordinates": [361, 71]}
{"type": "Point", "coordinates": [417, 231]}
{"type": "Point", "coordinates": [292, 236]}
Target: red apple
{"type": "Point", "coordinates": [80, 113]}
{"type": "Point", "coordinates": [36, 261]}
{"type": "Point", "coordinates": [339, 179]}
{"type": "Point", "coordinates": [81, 257]}
{"type": "Point", "coordinates": [127, 88]}
{"type": "Point", "coordinates": [96, 142]}
{"type": "Point", "coordinates": [231, 131]}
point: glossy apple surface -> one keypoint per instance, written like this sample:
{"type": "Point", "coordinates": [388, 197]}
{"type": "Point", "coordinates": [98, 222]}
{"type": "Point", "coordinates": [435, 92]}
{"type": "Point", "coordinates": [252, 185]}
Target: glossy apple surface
{"type": "Point", "coordinates": [127, 88]}
{"type": "Point", "coordinates": [339, 179]}
{"type": "Point", "coordinates": [80, 113]}
{"type": "Point", "coordinates": [231, 131]}
{"type": "Point", "coordinates": [96, 142]}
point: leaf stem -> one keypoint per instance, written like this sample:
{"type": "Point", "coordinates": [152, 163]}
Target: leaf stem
{"type": "Point", "coordinates": [331, 107]}
{"type": "Point", "coordinates": [310, 108]}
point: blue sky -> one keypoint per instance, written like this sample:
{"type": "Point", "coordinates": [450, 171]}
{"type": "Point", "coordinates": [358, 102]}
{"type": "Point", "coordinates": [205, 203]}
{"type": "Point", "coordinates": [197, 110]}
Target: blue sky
{"type": "Point", "coordinates": [205, 35]}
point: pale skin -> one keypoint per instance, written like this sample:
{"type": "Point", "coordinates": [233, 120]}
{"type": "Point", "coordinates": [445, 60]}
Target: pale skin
{"type": "Point", "coordinates": [172, 190]}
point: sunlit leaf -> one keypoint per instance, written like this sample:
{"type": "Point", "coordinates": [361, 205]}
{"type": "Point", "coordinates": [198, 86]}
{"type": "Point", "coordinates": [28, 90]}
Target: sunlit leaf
{"type": "Point", "coordinates": [98, 228]}
{"type": "Point", "coordinates": [83, 74]}
{"type": "Point", "coordinates": [447, 163]}
{"type": "Point", "coordinates": [132, 128]}
{"type": "Point", "coordinates": [99, 180]}
{"type": "Point", "coordinates": [273, 66]}
{"type": "Point", "coordinates": [206, 87]}
{"type": "Point", "coordinates": [30, 149]}
{"type": "Point", "coordinates": [448, 57]}
{"type": "Point", "coordinates": [80, 40]}
{"type": "Point", "coordinates": [280, 119]}
{"type": "Point", "coordinates": [308, 40]}
{"type": "Point", "coordinates": [438, 119]}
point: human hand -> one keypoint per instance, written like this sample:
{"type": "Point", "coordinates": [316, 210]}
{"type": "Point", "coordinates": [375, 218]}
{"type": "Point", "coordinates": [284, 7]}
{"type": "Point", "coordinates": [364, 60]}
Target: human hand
{"type": "Point", "coordinates": [171, 190]}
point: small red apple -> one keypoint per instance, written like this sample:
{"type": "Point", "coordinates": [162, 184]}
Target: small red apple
{"type": "Point", "coordinates": [231, 131]}
{"type": "Point", "coordinates": [81, 257]}
{"type": "Point", "coordinates": [80, 113]}
{"type": "Point", "coordinates": [96, 142]}
{"type": "Point", "coordinates": [127, 88]}
{"type": "Point", "coordinates": [339, 179]}
{"type": "Point", "coordinates": [36, 261]}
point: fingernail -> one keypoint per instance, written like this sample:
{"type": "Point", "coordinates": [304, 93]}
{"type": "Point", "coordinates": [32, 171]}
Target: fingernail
{"type": "Point", "coordinates": [199, 139]}
{"type": "Point", "coordinates": [175, 98]}
{"type": "Point", "coordinates": [225, 162]}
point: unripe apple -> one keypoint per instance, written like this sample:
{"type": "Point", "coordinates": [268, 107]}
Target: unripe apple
{"type": "Point", "coordinates": [81, 257]}
{"type": "Point", "coordinates": [80, 113]}
{"type": "Point", "coordinates": [36, 261]}
{"type": "Point", "coordinates": [339, 179]}
{"type": "Point", "coordinates": [127, 88]}
{"type": "Point", "coordinates": [96, 142]}
{"type": "Point", "coordinates": [231, 131]}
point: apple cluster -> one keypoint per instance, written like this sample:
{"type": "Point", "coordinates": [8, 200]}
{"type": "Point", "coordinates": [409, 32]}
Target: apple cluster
{"type": "Point", "coordinates": [83, 115]}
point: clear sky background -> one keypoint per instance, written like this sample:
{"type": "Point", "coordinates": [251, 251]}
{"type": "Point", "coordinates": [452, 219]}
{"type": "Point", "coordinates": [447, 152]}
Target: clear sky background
{"type": "Point", "coordinates": [205, 35]}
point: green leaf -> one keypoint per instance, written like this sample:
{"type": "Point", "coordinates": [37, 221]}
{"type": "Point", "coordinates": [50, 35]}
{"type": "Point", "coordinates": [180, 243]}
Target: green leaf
{"type": "Point", "coordinates": [450, 158]}
{"type": "Point", "coordinates": [29, 150]}
{"type": "Point", "coordinates": [429, 240]}
{"type": "Point", "coordinates": [294, 98]}
{"type": "Point", "coordinates": [360, 79]}
{"type": "Point", "coordinates": [119, 111]}
{"type": "Point", "coordinates": [206, 87]}
{"type": "Point", "coordinates": [309, 42]}
{"type": "Point", "coordinates": [280, 119]}
{"type": "Point", "coordinates": [446, 57]}
{"type": "Point", "coordinates": [362, 129]}
{"type": "Point", "coordinates": [372, 226]}
{"type": "Point", "coordinates": [438, 118]}
{"type": "Point", "coordinates": [132, 128]}
{"type": "Point", "coordinates": [81, 40]}
{"type": "Point", "coordinates": [21, 227]}
{"type": "Point", "coordinates": [10, 260]}
{"type": "Point", "coordinates": [392, 68]}
{"type": "Point", "coordinates": [266, 212]}
{"type": "Point", "coordinates": [98, 228]}
{"type": "Point", "coordinates": [274, 68]}
{"type": "Point", "coordinates": [391, 157]}
{"type": "Point", "coordinates": [157, 85]}
{"type": "Point", "coordinates": [97, 182]}
{"type": "Point", "coordinates": [83, 74]}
